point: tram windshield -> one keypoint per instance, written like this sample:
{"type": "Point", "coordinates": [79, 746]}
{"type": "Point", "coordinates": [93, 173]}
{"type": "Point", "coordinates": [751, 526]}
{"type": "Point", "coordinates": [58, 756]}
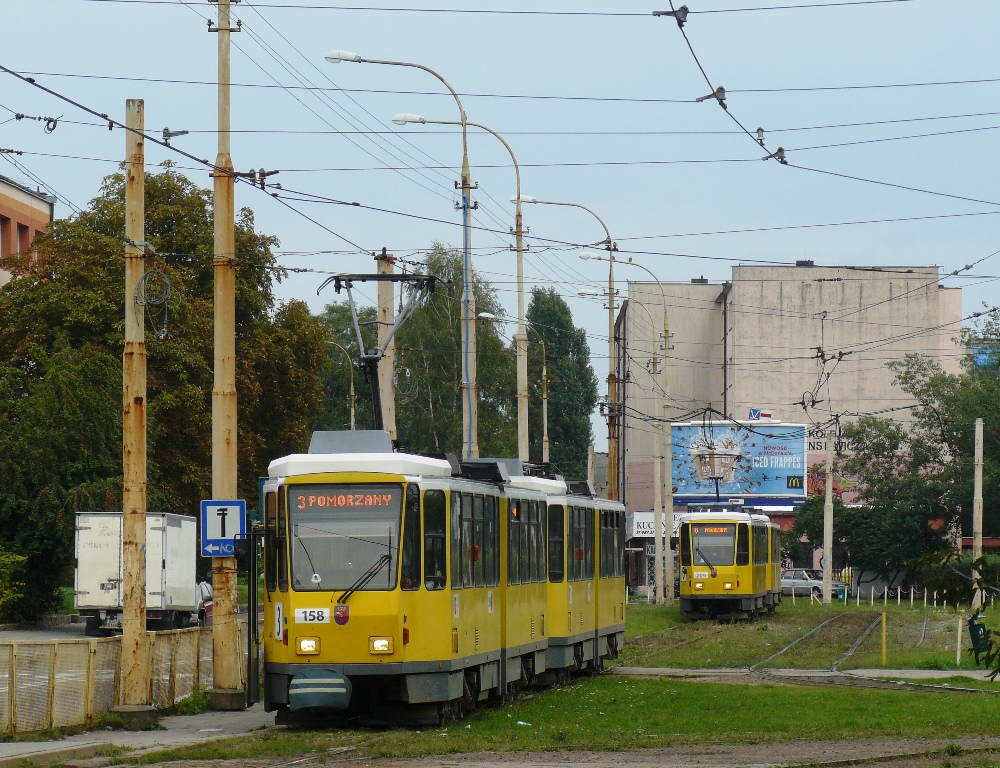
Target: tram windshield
{"type": "Point", "coordinates": [341, 532]}
{"type": "Point", "coordinates": [713, 544]}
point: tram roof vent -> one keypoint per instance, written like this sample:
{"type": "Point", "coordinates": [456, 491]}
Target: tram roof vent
{"type": "Point", "coordinates": [581, 488]}
{"type": "Point", "coordinates": [490, 470]}
{"type": "Point", "coordinates": [451, 458]}
{"type": "Point", "coordinates": [351, 441]}
{"type": "Point", "coordinates": [537, 469]}
{"type": "Point", "coordinates": [514, 467]}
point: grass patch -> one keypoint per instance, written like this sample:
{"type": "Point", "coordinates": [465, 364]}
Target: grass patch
{"type": "Point", "coordinates": [917, 638]}
{"type": "Point", "coordinates": [194, 704]}
{"type": "Point", "coordinates": [613, 713]}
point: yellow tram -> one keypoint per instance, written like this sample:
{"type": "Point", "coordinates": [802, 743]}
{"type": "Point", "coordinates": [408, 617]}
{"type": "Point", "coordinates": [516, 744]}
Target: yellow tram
{"type": "Point", "coordinates": [395, 579]}
{"type": "Point", "coordinates": [729, 563]}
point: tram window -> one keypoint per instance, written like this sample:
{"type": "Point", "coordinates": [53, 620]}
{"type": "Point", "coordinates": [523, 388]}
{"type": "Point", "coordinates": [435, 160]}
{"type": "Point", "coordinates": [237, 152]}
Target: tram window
{"type": "Point", "coordinates": [588, 547]}
{"type": "Point", "coordinates": [525, 541]}
{"type": "Point", "coordinates": [457, 557]}
{"type": "Point", "coordinates": [492, 523]}
{"type": "Point", "coordinates": [556, 553]}
{"type": "Point", "coordinates": [713, 544]}
{"type": "Point", "coordinates": [621, 543]}
{"type": "Point", "coordinates": [434, 540]}
{"type": "Point", "coordinates": [514, 542]}
{"type": "Point", "coordinates": [468, 544]}
{"type": "Point", "coordinates": [602, 543]}
{"type": "Point", "coordinates": [684, 545]}
{"type": "Point", "coordinates": [410, 572]}
{"type": "Point", "coordinates": [579, 546]}
{"type": "Point", "coordinates": [271, 560]}
{"type": "Point", "coordinates": [539, 551]}
{"type": "Point", "coordinates": [742, 545]}
{"type": "Point", "coordinates": [607, 540]}
{"type": "Point", "coordinates": [480, 540]}
{"type": "Point", "coordinates": [282, 543]}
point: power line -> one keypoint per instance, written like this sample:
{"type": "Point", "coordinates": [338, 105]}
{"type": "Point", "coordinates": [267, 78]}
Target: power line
{"type": "Point", "coordinates": [544, 97]}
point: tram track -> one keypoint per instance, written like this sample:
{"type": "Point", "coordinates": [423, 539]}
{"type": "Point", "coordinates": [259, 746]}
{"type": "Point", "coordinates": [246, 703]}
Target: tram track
{"type": "Point", "coordinates": [830, 675]}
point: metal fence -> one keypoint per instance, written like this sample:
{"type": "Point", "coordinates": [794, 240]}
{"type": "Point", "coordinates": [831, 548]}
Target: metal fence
{"type": "Point", "coordinates": [64, 683]}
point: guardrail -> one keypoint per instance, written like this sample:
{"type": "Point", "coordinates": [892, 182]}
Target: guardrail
{"type": "Point", "coordinates": [48, 684]}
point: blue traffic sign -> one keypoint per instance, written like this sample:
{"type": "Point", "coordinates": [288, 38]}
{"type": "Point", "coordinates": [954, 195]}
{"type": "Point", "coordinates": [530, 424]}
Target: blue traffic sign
{"type": "Point", "coordinates": [221, 523]}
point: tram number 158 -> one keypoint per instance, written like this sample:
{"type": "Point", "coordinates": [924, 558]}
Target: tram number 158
{"type": "Point", "coordinates": [312, 616]}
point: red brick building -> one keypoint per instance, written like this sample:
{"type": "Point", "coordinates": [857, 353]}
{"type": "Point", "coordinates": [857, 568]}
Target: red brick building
{"type": "Point", "coordinates": [24, 213]}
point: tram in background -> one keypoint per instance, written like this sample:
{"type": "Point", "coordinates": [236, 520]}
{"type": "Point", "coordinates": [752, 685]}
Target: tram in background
{"type": "Point", "coordinates": [404, 585]}
{"type": "Point", "coordinates": [730, 563]}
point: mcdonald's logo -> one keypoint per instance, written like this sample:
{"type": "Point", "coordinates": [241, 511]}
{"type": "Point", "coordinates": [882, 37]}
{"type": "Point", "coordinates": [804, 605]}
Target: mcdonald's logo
{"type": "Point", "coordinates": [794, 481]}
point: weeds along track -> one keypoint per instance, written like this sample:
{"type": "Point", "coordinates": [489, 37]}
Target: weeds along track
{"type": "Point", "coordinates": [759, 666]}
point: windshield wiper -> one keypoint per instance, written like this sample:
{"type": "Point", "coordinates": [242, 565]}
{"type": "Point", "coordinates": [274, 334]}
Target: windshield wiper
{"type": "Point", "coordinates": [364, 578]}
{"type": "Point", "coordinates": [316, 579]}
{"type": "Point", "coordinates": [698, 551]}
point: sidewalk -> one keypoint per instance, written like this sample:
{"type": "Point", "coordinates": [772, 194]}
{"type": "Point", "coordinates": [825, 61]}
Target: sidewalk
{"type": "Point", "coordinates": [179, 731]}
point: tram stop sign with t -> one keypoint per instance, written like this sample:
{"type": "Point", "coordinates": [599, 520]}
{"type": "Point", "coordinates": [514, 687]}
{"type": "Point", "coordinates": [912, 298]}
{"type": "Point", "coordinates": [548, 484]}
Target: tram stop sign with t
{"type": "Point", "coordinates": [220, 522]}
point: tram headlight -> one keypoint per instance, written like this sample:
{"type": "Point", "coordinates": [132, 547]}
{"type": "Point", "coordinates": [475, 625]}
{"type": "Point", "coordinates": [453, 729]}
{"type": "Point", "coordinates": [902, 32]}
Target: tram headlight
{"type": "Point", "coordinates": [727, 585]}
{"type": "Point", "coordinates": [379, 645]}
{"type": "Point", "coordinates": [699, 585]}
{"type": "Point", "coordinates": [307, 646]}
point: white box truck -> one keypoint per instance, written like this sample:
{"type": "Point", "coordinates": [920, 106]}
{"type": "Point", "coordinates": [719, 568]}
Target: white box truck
{"type": "Point", "coordinates": [171, 552]}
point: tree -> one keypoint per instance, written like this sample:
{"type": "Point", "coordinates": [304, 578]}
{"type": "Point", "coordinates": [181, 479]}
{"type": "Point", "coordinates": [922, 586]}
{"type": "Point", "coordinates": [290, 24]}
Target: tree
{"type": "Point", "coordinates": [809, 522]}
{"type": "Point", "coordinates": [572, 384]}
{"type": "Point", "coordinates": [61, 335]}
{"type": "Point", "coordinates": [428, 348]}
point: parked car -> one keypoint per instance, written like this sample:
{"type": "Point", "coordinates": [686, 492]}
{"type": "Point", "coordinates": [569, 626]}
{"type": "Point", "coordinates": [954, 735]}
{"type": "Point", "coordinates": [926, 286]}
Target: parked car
{"type": "Point", "coordinates": [803, 581]}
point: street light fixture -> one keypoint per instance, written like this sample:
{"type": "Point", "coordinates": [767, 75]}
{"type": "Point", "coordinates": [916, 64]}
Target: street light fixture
{"type": "Point", "coordinates": [470, 405]}
{"type": "Point", "coordinates": [611, 247]}
{"type": "Point", "coordinates": [520, 338]}
{"type": "Point", "coordinates": [664, 450]}
{"type": "Point", "coordinates": [350, 366]}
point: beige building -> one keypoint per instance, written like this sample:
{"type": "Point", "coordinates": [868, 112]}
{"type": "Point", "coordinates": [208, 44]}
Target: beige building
{"type": "Point", "coordinates": [24, 213]}
{"type": "Point", "coordinates": [796, 342]}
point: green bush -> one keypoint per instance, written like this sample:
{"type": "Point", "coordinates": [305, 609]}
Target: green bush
{"type": "Point", "coordinates": [12, 582]}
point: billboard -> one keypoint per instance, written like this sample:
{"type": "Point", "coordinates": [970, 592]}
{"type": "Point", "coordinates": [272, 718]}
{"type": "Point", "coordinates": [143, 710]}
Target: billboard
{"type": "Point", "coordinates": [749, 459]}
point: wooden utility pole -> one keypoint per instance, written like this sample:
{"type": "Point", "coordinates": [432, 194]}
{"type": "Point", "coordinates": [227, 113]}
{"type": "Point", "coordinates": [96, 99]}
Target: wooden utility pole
{"type": "Point", "coordinates": [977, 514]}
{"type": "Point", "coordinates": [228, 690]}
{"type": "Point", "coordinates": [828, 522]}
{"type": "Point", "coordinates": [135, 657]}
{"type": "Point", "coordinates": [387, 363]}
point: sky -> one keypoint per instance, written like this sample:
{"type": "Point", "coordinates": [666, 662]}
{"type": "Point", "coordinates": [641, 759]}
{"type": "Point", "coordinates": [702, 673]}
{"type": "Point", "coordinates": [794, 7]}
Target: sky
{"type": "Point", "coordinates": [887, 111]}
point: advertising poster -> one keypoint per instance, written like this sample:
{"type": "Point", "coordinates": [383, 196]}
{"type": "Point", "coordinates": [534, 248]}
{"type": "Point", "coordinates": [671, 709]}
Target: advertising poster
{"type": "Point", "coordinates": [749, 459]}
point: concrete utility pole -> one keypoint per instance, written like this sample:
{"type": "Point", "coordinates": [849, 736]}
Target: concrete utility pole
{"type": "Point", "coordinates": [828, 523]}
{"type": "Point", "coordinates": [135, 656]}
{"type": "Point", "coordinates": [977, 513]}
{"type": "Point", "coordinates": [228, 690]}
{"type": "Point", "coordinates": [668, 456]}
{"type": "Point", "coordinates": [387, 363]}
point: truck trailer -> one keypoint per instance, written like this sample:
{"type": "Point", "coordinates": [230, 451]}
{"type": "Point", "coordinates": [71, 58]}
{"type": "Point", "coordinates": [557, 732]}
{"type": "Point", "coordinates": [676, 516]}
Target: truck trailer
{"type": "Point", "coordinates": [171, 552]}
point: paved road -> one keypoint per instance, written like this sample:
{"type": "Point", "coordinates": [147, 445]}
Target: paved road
{"type": "Point", "coordinates": [10, 633]}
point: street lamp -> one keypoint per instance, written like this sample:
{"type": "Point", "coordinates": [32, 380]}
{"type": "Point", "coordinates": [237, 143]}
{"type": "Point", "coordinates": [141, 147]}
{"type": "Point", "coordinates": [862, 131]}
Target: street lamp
{"type": "Point", "coordinates": [611, 247]}
{"type": "Point", "coordinates": [470, 405]}
{"type": "Point", "coordinates": [520, 338]}
{"type": "Point", "coordinates": [350, 366]}
{"type": "Point", "coordinates": [663, 449]}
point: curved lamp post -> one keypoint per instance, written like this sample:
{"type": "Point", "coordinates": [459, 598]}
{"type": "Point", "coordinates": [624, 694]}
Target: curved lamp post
{"type": "Point", "coordinates": [350, 366]}
{"type": "Point", "coordinates": [520, 338]}
{"type": "Point", "coordinates": [611, 247]}
{"type": "Point", "coordinates": [662, 450]}
{"type": "Point", "coordinates": [470, 409]}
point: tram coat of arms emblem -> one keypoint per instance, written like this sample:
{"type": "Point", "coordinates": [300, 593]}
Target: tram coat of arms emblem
{"type": "Point", "coordinates": [341, 614]}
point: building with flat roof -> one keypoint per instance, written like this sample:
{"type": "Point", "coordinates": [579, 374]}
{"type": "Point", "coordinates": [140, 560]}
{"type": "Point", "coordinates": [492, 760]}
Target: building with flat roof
{"type": "Point", "coordinates": [797, 343]}
{"type": "Point", "coordinates": [24, 213]}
